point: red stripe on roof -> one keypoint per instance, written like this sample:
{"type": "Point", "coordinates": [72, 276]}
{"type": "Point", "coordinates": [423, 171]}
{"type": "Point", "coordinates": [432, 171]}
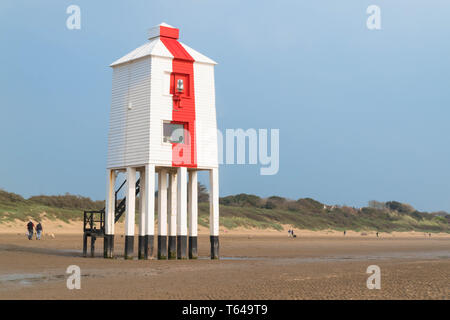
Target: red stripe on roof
{"type": "Point", "coordinates": [176, 49]}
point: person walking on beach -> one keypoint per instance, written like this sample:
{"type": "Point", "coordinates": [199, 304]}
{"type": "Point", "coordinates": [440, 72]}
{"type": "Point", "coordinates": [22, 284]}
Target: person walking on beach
{"type": "Point", "coordinates": [30, 227]}
{"type": "Point", "coordinates": [345, 232]}
{"type": "Point", "coordinates": [38, 231]}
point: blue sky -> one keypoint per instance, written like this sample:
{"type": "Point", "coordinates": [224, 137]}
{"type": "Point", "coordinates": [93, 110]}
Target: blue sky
{"type": "Point", "coordinates": [362, 114]}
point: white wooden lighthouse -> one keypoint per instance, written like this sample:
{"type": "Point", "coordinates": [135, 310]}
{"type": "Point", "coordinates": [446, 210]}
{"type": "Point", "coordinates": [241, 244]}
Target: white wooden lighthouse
{"type": "Point", "coordinates": [162, 123]}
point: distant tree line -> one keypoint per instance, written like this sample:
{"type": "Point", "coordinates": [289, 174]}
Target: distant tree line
{"type": "Point", "coordinates": [240, 200]}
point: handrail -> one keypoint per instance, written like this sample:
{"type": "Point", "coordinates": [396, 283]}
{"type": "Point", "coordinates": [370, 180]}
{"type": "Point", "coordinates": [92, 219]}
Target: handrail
{"type": "Point", "coordinates": [120, 209]}
{"type": "Point", "coordinates": [89, 219]}
{"type": "Point", "coordinates": [123, 183]}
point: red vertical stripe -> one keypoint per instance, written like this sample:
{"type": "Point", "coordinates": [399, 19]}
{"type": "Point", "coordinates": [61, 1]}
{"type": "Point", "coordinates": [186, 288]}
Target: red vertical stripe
{"type": "Point", "coordinates": [183, 155]}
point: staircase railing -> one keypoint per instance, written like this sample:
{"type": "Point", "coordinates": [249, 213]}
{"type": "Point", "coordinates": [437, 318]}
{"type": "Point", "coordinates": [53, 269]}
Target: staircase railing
{"type": "Point", "coordinates": [90, 221]}
{"type": "Point", "coordinates": [120, 209]}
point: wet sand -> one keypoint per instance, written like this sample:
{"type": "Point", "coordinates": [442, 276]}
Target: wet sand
{"type": "Point", "coordinates": [264, 266]}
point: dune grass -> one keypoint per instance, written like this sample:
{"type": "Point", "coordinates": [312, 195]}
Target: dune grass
{"type": "Point", "coordinates": [64, 208]}
{"type": "Point", "coordinates": [247, 211]}
{"type": "Point", "coordinates": [337, 219]}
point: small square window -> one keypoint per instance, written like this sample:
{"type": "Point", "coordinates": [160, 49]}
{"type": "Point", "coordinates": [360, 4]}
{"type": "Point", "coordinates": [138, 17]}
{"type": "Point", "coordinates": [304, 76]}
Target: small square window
{"type": "Point", "coordinates": [173, 132]}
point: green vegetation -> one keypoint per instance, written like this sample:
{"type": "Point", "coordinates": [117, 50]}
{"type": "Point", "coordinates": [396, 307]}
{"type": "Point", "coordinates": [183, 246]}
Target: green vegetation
{"type": "Point", "coordinates": [250, 211]}
{"type": "Point", "coordinates": [66, 207]}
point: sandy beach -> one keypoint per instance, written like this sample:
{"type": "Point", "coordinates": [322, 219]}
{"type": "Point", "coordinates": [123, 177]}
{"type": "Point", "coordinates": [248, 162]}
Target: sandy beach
{"type": "Point", "coordinates": [255, 264]}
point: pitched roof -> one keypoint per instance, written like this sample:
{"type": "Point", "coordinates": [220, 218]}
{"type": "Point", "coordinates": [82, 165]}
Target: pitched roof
{"type": "Point", "coordinates": [155, 47]}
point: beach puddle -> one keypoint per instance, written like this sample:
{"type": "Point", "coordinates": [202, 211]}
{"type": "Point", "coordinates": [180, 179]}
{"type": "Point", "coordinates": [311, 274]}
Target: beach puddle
{"type": "Point", "coordinates": [22, 279]}
{"type": "Point", "coordinates": [26, 279]}
{"type": "Point", "coordinates": [381, 256]}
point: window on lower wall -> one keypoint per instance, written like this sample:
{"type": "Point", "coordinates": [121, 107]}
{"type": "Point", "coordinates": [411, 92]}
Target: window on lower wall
{"type": "Point", "coordinates": [173, 132]}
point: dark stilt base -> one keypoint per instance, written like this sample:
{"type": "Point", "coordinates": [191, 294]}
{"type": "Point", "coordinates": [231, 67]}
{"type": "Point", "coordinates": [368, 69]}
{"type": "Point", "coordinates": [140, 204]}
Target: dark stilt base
{"type": "Point", "coordinates": [162, 247]}
{"type": "Point", "coordinates": [141, 247]}
{"type": "Point", "coordinates": [129, 247]}
{"type": "Point", "coordinates": [214, 247]}
{"type": "Point", "coordinates": [148, 250]}
{"type": "Point", "coordinates": [85, 244]}
{"type": "Point", "coordinates": [93, 239]}
{"type": "Point", "coordinates": [181, 247]}
{"type": "Point", "coordinates": [172, 247]}
{"type": "Point", "coordinates": [108, 246]}
{"type": "Point", "coordinates": [193, 248]}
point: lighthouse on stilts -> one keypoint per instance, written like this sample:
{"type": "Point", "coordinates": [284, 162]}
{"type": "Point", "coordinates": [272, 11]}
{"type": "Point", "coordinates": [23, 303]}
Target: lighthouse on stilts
{"type": "Point", "coordinates": [162, 125]}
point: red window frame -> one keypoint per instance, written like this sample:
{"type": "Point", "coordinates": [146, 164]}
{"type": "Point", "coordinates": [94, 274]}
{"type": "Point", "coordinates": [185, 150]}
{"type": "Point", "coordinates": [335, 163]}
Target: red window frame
{"type": "Point", "coordinates": [186, 83]}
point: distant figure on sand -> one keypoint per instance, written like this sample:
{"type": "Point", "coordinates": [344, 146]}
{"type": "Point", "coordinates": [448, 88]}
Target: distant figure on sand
{"type": "Point", "coordinates": [345, 232]}
{"type": "Point", "coordinates": [38, 231]}
{"type": "Point", "coordinates": [377, 234]}
{"type": "Point", "coordinates": [30, 227]}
